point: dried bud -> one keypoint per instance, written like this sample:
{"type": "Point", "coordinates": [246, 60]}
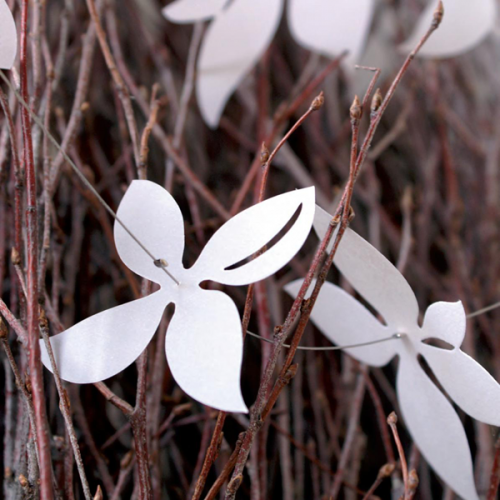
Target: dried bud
{"type": "Point", "coordinates": [264, 154]}
{"type": "Point", "coordinates": [27, 382]}
{"type": "Point", "coordinates": [306, 304]}
{"type": "Point", "coordinates": [127, 459]}
{"type": "Point", "coordinates": [386, 470]}
{"type": "Point", "coordinates": [290, 373]}
{"type": "Point", "coordinates": [407, 200]}
{"type": "Point", "coordinates": [277, 331]}
{"type": "Point", "coordinates": [376, 102]}
{"type": "Point", "coordinates": [84, 107]}
{"type": "Point", "coordinates": [98, 494]}
{"type": "Point", "coordinates": [59, 442]}
{"type": "Point", "coordinates": [318, 101]}
{"type": "Point", "coordinates": [219, 445]}
{"type": "Point", "coordinates": [356, 110]}
{"type": "Point", "coordinates": [23, 481]}
{"type": "Point", "coordinates": [334, 222]}
{"type": "Point", "coordinates": [234, 484]}
{"type": "Point", "coordinates": [392, 419]}
{"type": "Point", "coordinates": [352, 214]}
{"type": "Point", "coordinates": [3, 329]}
{"type": "Point", "coordinates": [64, 402]}
{"type": "Point", "coordinates": [413, 480]}
{"type": "Point", "coordinates": [438, 16]}
{"type": "Point", "coordinates": [7, 473]}
{"type": "Point", "coordinates": [42, 320]}
{"type": "Point", "coordinates": [15, 257]}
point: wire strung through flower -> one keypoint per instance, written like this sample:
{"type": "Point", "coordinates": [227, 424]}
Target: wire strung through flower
{"type": "Point", "coordinates": [484, 310]}
{"type": "Point", "coordinates": [395, 336]}
{"type": "Point", "coordinates": [161, 263]}
{"type": "Point", "coordinates": [84, 179]}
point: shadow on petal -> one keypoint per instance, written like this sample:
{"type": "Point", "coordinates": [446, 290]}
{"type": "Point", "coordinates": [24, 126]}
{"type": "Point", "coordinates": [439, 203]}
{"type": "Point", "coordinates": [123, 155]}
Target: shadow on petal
{"type": "Point", "coordinates": [435, 428]}
{"type": "Point", "coordinates": [105, 344]}
{"type": "Point", "coordinates": [467, 383]}
{"type": "Point", "coordinates": [204, 347]}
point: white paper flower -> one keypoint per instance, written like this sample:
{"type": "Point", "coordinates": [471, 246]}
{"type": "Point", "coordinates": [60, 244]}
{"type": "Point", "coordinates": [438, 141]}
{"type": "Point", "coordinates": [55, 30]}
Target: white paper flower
{"type": "Point", "coordinates": [8, 37]}
{"type": "Point", "coordinates": [430, 418]}
{"type": "Point", "coordinates": [243, 29]}
{"type": "Point", "coordinates": [465, 24]}
{"type": "Point", "coordinates": [204, 339]}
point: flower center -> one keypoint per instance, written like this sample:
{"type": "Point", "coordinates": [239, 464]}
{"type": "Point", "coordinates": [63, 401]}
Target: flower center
{"type": "Point", "coordinates": [163, 264]}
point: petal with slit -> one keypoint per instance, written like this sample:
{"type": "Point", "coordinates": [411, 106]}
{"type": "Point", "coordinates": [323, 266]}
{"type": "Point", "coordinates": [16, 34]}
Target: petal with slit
{"type": "Point", "coordinates": [373, 277]}
{"type": "Point", "coordinates": [249, 231]}
{"type": "Point", "coordinates": [445, 321]}
{"type": "Point", "coordinates": [467, 383]}
{"type": "Point", "coordinates": [345, 321]}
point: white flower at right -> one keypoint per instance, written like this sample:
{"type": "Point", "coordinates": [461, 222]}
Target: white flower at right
{"type": "Point", "coordinates": [429, 415]}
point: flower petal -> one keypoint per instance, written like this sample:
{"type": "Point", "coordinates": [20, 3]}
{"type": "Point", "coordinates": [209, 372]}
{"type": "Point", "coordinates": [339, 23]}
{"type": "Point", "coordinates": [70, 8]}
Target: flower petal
{"type": "Point", "coordinates": [435, 428]}
{"type": "Point", "coordinates": [331, 27]}
{"type": "Point", "coordinates": [190, 11]}
{"type": "Point", "coordinates": [467, 383]}
{"type": "Point", "coordinates": [249, 231]}
{"type": "Point", "coordinates": [445, 321]}
{"type": "Point", "coordinates": [373, 276]}
{"type": "Point", "coordinates": [8, 37]}
{"type": "Point", "coordinates": [105, 344]}
{"type": "Point", "coordinates": [154, 218]}
{"type": "Point", "coordinates": [233, 44]}
{"type": "Point", "coordinates": [345, 321]}
{"type": "Point", "coordinates": [204, 347]}
{"type": "Point", "coordinates": [465, 24]}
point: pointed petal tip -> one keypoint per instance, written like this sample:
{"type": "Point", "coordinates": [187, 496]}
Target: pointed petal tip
{"type": "Point", "coordinates": [210, 107]}
{"type": "Point", "coordinates": [237, 407]}
{"type": "Point", "coordinates": [310, 192]}
{"type": "Point", "coordinates": [223, 402]}
{"type": "Point", "coordinates": [191, 11]}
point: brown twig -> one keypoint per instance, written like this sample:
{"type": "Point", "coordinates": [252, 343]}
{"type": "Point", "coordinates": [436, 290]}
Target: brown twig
{"type": "Point", "coordinates": [392, 420]}
{"type": "Point", "coordinates": [43, 442]}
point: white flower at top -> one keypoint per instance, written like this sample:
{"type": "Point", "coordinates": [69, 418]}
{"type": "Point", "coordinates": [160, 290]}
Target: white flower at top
{"type": "Point", "coordinates": [466, 23]}
{"type": "Point", "coordinates": [430, 418]}
{"type": "Point", "coordinates": [204, 342]}
{"type": "Point", "coordinates": [242, 30]}
{"type": "Point", "coordinates": [8, 37]}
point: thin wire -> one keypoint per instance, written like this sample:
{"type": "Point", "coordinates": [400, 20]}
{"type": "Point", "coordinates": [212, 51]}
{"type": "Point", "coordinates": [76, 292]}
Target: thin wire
{"type": "Point", "coordinates": [484, 310]}
{"type": "Point", "coordinates": [395, 336]}
{"type": "Point", "coordinates": [161, 263]}
{"type": "Point", "coordinates": [392, 337]}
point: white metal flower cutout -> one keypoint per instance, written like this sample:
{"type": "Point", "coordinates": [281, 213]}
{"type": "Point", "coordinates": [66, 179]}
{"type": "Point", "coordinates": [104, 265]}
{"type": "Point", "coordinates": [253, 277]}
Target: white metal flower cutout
{"type": "Point", "coordinates": [430, 418]}
{"type": "Point", "coordinates": [243, 29]}
{"type": "Point", "coordinates": [465, 24]}
{"type": "Point", "coordinates": [204, 343]}
{"type": "Point", "coordinates": [8, 37]}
